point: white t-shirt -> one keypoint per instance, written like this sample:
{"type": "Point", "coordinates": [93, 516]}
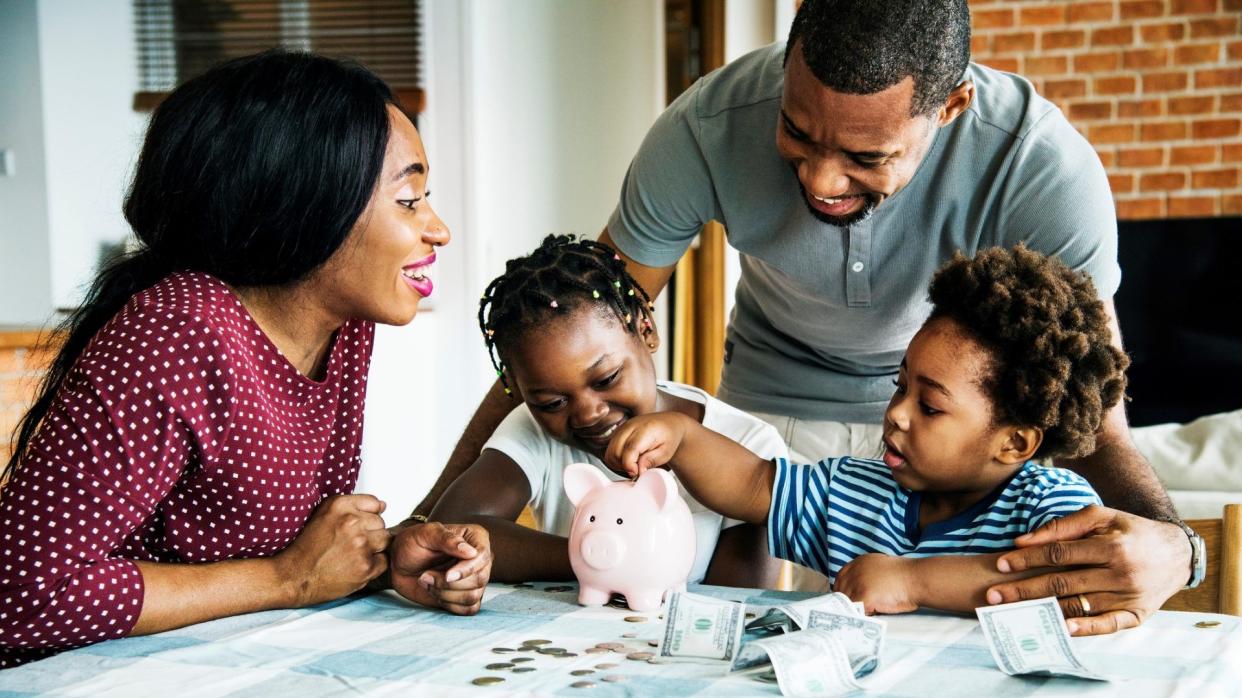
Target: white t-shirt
{"type": "Point", "coordinates": [543, 460]}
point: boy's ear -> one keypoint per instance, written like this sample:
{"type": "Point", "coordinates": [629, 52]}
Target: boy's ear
{"type": "Point", "coordinates": [1020, 445]}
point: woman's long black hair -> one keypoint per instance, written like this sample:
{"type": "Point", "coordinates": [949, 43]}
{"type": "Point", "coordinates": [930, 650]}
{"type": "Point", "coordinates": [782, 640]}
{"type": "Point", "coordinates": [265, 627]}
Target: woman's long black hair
{"type": "Point", "coordinates": [254, 172]}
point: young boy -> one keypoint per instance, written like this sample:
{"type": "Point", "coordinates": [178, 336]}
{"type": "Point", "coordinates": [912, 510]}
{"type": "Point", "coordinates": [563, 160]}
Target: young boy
{"type": "Point", "coordinates": [1014, 363]}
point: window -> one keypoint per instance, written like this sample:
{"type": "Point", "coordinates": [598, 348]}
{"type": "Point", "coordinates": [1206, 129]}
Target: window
{"type": "Point", "coordinates": [179, 39]}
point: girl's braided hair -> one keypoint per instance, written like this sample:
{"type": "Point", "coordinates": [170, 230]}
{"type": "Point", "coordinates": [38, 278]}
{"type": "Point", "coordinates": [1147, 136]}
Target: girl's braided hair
{"type": "Point", "coordinates": [1053, 362]}
{"type": "Point", "coordinates": [561, 276]}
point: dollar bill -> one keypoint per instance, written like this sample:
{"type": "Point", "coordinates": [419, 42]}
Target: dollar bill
{"type": "Point", "coordinates": [1029, 637]}
{"type": "Point", "coordinates": [862, 637]}
{"type": "Point", "coordinates": [702, 628]}
{"type": "Point", "coordinates": [811, 662]}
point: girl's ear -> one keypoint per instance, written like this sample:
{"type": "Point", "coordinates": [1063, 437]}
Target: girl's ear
{"type": "Point", "coordinates": [1020, 445]}
{"type": "Point", "coordinates": [648, 333]}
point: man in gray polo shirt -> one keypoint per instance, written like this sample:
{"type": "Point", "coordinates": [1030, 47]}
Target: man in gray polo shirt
{"type": "Point", "coordinates": [845, 170]}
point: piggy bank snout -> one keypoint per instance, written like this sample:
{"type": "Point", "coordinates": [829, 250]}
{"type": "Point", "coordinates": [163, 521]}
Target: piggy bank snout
{"type": "Point", "coordinates": [602, 550]}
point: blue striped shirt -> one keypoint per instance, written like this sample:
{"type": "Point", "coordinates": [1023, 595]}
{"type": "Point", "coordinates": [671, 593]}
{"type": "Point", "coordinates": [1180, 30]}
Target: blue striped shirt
{"type": "Point", "coordinates": [829, 513]}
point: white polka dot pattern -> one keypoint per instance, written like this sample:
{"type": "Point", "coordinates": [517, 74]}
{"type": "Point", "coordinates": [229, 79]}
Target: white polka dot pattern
{"type": "Point", "coordinates": [182, 434]}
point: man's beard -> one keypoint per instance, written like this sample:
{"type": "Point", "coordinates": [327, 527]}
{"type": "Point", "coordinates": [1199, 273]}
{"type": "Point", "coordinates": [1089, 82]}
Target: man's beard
{"type": "Point", "coordinates": [870, 201]}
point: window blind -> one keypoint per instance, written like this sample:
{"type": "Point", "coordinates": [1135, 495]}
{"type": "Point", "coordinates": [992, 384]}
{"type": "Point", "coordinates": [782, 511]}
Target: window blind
{"type": "Point", "coordinates": [179, 39]}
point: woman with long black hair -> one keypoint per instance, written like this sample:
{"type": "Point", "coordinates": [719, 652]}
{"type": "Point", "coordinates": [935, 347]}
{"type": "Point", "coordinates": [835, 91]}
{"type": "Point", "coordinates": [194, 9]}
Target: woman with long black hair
{"type": "Point", "coordinates": [194, 447]}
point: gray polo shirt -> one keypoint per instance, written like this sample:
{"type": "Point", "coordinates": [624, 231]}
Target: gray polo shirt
{"type": "Point", "coordinates": [824, 313]}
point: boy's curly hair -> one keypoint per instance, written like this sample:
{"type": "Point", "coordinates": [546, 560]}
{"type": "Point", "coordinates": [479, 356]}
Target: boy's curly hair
{"type": "Point", "coordinates": [1053, 363]}
{"type": "Point", "coordinates": [562, 275]}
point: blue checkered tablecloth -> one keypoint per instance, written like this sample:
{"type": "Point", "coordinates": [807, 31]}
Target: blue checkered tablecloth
{"type": "Point", "coordinates": [381, 645]}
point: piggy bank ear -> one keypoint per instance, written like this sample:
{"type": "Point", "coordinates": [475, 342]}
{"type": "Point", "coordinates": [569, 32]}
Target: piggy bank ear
{"type": "Point", "coordinates": [658, 483]}
{"type": "Point", "coordinates": [580, 479]}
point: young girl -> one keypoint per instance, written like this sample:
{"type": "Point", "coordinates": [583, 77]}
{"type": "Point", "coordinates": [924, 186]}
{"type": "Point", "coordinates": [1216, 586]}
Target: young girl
{"type": "Point", "coordinates": [1014, 363]}
{"type": "Point", "coordinates": [571, 332]}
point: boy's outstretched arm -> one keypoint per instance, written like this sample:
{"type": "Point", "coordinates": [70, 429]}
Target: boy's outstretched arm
{"type": "Point", "coordinates": [721, 473]}
{"type": "Point", "coordinates": [892, 584]}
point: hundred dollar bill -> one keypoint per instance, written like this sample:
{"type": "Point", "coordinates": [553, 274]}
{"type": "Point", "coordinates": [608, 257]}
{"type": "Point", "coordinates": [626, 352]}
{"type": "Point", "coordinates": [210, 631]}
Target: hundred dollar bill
{"type": "Point", "coordinates": [862, 637]}
{"type": "Point", "coordinates": [1029, 637]}
{"type": "Point", "coordinates": [702, 628]}
{"type": "Point", "coordinates": [811, 662]}
{"type": "Point", "coordinates": [786, 618]}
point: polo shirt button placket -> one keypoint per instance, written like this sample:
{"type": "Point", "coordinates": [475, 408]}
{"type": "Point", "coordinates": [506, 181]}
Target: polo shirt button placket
{"type": "Point", "coordinates": [858, 283]}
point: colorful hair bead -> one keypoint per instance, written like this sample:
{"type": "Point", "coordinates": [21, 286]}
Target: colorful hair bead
{"type": "Point", "coordinates": [553, 304]}
{"type": "Point", "coordinates": [594, 293]}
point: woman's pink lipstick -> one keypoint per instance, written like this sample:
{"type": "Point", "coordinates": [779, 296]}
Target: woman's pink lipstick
{"type": "Point", "coordinates": [414, 275]}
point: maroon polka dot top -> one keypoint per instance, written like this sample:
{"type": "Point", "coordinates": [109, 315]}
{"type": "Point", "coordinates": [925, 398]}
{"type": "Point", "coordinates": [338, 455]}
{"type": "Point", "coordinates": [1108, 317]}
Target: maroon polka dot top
{"type": "Point", "coordinates": [182, 434]}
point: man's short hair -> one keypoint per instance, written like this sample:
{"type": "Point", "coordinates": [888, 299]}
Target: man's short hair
{"type": "Point", "coordinates": [866, 46]}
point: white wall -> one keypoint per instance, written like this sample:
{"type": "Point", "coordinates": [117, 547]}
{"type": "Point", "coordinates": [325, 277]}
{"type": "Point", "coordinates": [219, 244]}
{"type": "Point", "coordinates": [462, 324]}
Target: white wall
{"type": "Point", "coordinates": [92, 133]}
{"type": "Point", "coordinates": [25, 284]}
{"type": "Point", "coordinates": [534, 112]}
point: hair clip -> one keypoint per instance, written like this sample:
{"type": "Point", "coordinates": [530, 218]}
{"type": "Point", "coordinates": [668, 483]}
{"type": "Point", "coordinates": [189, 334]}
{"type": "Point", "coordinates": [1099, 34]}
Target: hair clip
{"type": "Point", "coordinates": [594, 293]}
{"type": "Point", "coordinates": [553, 304]}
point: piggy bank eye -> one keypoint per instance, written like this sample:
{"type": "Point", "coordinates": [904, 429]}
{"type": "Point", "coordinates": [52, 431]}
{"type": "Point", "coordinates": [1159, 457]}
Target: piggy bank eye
{"type": "Point", "coordinates": [592, 518]}
{"type": "Point", "coordinates": [618, 522]}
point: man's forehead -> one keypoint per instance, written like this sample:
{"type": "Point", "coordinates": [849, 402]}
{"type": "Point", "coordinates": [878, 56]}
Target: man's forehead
{"type": "Point", "coordinates": [812, 105]}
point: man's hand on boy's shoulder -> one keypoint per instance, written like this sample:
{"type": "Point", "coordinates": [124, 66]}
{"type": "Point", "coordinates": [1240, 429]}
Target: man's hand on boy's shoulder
{"type": "Point", "coordinates": [1125, 566]}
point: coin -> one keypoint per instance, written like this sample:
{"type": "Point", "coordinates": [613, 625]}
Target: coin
{"type": "Point", "coordinates": [635, 619]}
{"type": "Point", "coordinates": [630, 636]}
{"type": "Point", "coordinates": [656, 660]}
{"type": "Point", "coordinates": [611, 646]}
{"type": "Point", "coordinates": [750, 616]}
{"type": "Point", "coordinates": [597, 650]}
{"type": "Point", "coordinates": [582, 684]}
{"type": "Point", "coordinates": [551, 650]}
{"type": "Point", "coordinates": [639, 656]}
{"type": "Point", "coordinates": [519, 660]}
{"type": "Point", "coordinates": [606, 666]}
{"type": "Point", "coordinates": [503, 650]}
{"type": "Point", "coordinates": [582, 672]}
{"type": "Point", "coordinates": [1207, 624]}
{"type": "Point", "coordinates": [555, 589]}
{"type": "Point", "coordinates": [487, 681]}
{"type": "Point", "coordinates": [498, 666]}
{"type": "Point", "coordinates": [566, 655]}
{"type": "Point", "coordinates": [536, 643]}
{"type": "Point", "coordinates": [653, 643]}
{"type": "Point", "coordinates": [615, 678]}
{"type": "Point", "coordinates": [522, 669]}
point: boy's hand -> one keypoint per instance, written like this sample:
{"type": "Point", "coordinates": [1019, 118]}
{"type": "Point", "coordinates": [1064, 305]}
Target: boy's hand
{"type": "Point", "coordinates": [646, 442]}
{"type": "Point", "coordinates": [883, 583]}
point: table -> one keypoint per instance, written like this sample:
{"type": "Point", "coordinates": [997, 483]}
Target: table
{"type": "Point", "coordinates": [382, 645]}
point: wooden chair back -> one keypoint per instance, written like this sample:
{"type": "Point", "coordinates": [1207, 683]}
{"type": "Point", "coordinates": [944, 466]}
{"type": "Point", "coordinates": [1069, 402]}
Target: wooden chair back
{"type": "Point", "coordinates": [1221, 590]}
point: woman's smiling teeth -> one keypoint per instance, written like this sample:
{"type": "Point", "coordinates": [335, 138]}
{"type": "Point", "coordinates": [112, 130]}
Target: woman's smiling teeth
{"type": "Point", "coordinates": [417, 273]}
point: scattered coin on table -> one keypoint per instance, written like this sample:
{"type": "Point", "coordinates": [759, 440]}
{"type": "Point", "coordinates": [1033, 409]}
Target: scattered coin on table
{"type": "Point", "coordinates": [487, 681]}
{"type": "Point", "coordinates": [1207, 624]}
{"type": "Point", "coordinates": [498, 666]}
{"type": "Point", "coordinates": [503, 650]}
{"type": "Point", "coordinates": [582, 684]}
{"type": "Point", "coordinates": [582, 672]}
{"type": "Point", "coordinates": [639, 656]}
{"type": "Point", "coordinates": [557, 589]}
{"type": "Point", "coordinates": [606, 666]}
{"type": "Point", "coordinates": [615, 678]}
{"type": "Point", "coordinates": [635, 619]}
{"type": "Point", "coordinates": [551, 650]}
{"type": "Point", "coordinates": [656, 660]}
{"type": "Point", "coordinates": [597, 650]}
{"type": "Point", "coordinates": [536, 643]}
{"type": "Point", "coordinates": [519, 660]}
{"type": "Point", "coordinates": [522, 669]}
{"type": "Point", "coordinates": [653, 643]}
{"type": "Point", "coordinates": [566, 655]}
{"type": "Point", "coordinates": [630, 636]}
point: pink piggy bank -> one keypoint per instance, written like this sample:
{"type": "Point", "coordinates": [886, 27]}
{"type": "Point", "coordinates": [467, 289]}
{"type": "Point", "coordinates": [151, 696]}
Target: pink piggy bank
{"type": "Point", "coordinates": [628, 537]}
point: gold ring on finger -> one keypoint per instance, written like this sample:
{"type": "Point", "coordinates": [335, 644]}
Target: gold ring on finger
{"type": "Point", "coordinates": [1086, 605]}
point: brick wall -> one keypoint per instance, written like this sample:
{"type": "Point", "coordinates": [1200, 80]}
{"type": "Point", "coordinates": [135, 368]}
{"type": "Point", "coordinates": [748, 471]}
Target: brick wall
{"type": "Point", "coordinates": [20, 372]}
{"type": "Point", "coordinates": [1154, 85]}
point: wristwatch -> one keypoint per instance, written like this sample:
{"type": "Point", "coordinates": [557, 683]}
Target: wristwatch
{"type": "Point", "coordinates": [1198, 552]}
